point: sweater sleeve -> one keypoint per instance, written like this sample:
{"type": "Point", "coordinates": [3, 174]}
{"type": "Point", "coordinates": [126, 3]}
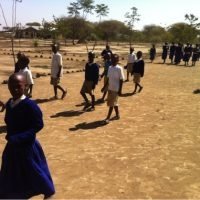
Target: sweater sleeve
{"type": "Point", "coordinates": [36, 122]}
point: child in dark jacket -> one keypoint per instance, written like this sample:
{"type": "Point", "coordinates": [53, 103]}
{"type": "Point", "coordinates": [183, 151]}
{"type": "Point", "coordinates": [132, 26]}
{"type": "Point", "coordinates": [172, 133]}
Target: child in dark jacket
{"type": "Point", "coordinates": [138, 72]}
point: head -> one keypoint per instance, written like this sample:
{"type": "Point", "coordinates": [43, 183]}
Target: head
{"type": "Point", "coordinates": [23, 61]}
{"type": "Point", "coordinates": [54, 48]}
{"type": "Point", "coordinates": [107, 47]}
{"type": "Point", "coordinates": [114, 59]}
{"type": "Point", "coordinates": [16, 85]}
{"type": "Point", "coordinates": [91, 56]}
{"type": "Point", "coordinates": [131, 49]}
{"type": "Point", "coordinates": [139, 54]}
{"type": "Point", "coordinates": [19, 54]}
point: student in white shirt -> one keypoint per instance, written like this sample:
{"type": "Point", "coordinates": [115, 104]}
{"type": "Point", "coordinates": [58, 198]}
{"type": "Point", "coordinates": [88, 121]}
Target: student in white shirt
{"type": "Point", "coordinates": [131, 59]}
{"type": "Point", "coordinates": [115, 81]}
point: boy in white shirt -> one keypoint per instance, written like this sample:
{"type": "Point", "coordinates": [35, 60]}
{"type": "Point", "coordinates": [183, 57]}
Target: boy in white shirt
{"type": "Point", "coordinates": [131, 59]}
{"type": "Point", "coordinates": [115, 81]}
{"type": "Point", "coordinates": [57, 72]}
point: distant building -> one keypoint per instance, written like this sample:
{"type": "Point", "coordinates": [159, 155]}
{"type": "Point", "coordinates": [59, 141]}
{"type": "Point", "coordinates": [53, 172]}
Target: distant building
{"type": "Point", "coordinates": [29, 32]}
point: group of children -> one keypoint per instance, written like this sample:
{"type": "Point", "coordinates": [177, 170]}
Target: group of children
{"type": "Point", "coordinates": [113, 79]}
{"type": "Point", "coordinates": [24, 171]}
{"type": "Point", "coordinates": [177, 52]}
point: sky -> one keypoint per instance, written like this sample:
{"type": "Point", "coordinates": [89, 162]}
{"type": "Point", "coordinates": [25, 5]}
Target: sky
{"type": "Point", "coordinates": [158, 12]}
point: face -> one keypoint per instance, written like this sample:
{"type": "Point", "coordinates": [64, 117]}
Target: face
{"type": "Point", "coordinates": [16, 86]}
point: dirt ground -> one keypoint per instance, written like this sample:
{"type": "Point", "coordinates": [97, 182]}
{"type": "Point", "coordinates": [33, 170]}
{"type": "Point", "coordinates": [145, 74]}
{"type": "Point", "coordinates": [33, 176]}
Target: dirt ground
{"type": "Point", "coordinates": [152, 152]}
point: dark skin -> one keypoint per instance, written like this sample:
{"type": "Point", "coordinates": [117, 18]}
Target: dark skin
{"type": "Point", "coordinates": [114, 60]}
{"type": "Point", "coordinates": [56, 87]}
{"type": "Point", "coordinates": [90, 60]}
{"type": "Point", "coordinates": [16, 86]}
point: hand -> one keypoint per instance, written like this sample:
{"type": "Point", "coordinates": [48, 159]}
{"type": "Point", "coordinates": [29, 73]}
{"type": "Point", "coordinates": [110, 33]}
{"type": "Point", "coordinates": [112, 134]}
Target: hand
{"type": "Point", "coordinates": [2, 106]}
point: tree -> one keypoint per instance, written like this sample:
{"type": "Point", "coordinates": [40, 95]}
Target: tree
{"type": "Point", "coordinates": [192, 20]}
{"type": "Point", "coordinates": [87, 7]}
{"type": "Point", "coordinates": [73, 9]}
{"type": "Point", "coordinates": [154, 34]}
{"type": "Point", "coordinates": [132, 17]}
{"type": "Point", "coordinates": [101, 10]}
{"type": "Point", "coordinates": [111, 29]}
{"type": "Point", "coordinates": [182, 32]}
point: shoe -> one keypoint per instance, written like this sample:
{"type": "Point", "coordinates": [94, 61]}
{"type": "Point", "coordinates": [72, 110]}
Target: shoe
{"type": "Point", "coordinates": [106, 121]}
{"type": "Point", "coordinates": [64, 94]}
{"type": "Point", "coordinates": [87, 105]}
{"type": "Point", "coordinates": [140, 89]}
{"type": "Point", "coordinates": [134, 92]}
{"type": "Point", "coordinates": [116, 117]}
{"type": "Point", "coordinates": [92, 108]}
{"type": "Point", "coordinates": [54, 98]}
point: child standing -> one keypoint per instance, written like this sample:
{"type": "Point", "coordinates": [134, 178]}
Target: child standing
{"type": "Point", "coordinates": [138, 71]}
{"type": "Point", "coordinates": [131, 59]}
{"type": "Point", "coordinates": [24, 171]}
{"type": "Point", "coordinates": [115, 81]}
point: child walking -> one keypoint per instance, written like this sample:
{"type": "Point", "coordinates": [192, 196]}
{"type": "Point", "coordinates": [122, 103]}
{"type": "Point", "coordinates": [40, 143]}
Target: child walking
{"type": "Point", "coordinates": [24, 171]}
{"type": "Point", "coordinates": [138, 72]}
{"type": "Point", "coordinates": [115, 81]}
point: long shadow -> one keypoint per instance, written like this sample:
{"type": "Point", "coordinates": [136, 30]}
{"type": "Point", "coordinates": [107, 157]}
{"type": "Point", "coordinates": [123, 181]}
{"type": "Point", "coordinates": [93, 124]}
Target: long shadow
{"type": "Point", "coordinates": [128, 94]}
{"type": "Point", "coordinates": [81, 104]}
{"type": "Point", "coordinates": [3, 129]}
{"type": "Point", "coordinates": [38, 101]}
{"type": "Point", "coordinates": [197, 91]}
{"type": "Point", "coordinates": [70, 113]}
{"type": "Point", "coordinates": [86, 126]}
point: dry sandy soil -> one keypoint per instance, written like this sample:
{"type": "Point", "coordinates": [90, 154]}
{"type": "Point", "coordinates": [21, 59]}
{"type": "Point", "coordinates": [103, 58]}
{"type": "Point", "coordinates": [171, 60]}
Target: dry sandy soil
{"type": "Point", "coordinates": [152, 152]}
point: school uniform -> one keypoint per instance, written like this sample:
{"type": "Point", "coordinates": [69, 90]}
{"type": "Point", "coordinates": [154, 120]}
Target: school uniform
{"type": "Point", "coordinates": [24, 171]}
{"type": "Point", "coordinates": [115, 74]}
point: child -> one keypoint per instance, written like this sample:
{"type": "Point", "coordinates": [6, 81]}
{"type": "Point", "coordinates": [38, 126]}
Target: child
{"type": "Point", "coordinates": [138, 71]}
{"type": "Point", "coordinates": [131, 59]}
{"type": "Point", "coordinates": [105, 73]}
{"type": "Point", "coordinates": [115, 81]}
{"type": "Point", "coordinates": [24, 69]}
{"type": "Point", "coordinates": [91, 80]}
{"type": "Point", "coordinates": [152, 53]}
{"type": "Point", "coordinates": [57, 72]}
{"type": "Point", "coordinates": [24, 171]}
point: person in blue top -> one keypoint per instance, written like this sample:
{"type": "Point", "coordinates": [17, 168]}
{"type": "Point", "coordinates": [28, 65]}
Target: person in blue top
{"type": "Point", "coordinates": [90, 82]}
{"type": "Point", "coordinates": [24, 171]}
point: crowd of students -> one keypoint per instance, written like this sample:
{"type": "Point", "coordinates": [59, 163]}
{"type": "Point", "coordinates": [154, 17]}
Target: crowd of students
{"type": "Point", "coordinates": [24, 171]}
{"type": "Point", "coordinates": [177, 53]}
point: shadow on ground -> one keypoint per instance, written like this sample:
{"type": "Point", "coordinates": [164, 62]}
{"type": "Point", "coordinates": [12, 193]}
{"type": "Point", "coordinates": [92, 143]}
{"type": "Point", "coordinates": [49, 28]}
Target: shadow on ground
{"type": "Point", "coordinates": [197, 91]}
{"type": "Point", "coordinates": [69, 113]}
{"type": "Point", "coordinates": [86, 126]}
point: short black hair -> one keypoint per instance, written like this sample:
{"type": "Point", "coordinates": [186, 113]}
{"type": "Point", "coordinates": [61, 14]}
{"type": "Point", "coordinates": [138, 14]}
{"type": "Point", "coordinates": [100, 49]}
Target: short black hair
{"type": "Point", "coordinates": [91, 54]}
